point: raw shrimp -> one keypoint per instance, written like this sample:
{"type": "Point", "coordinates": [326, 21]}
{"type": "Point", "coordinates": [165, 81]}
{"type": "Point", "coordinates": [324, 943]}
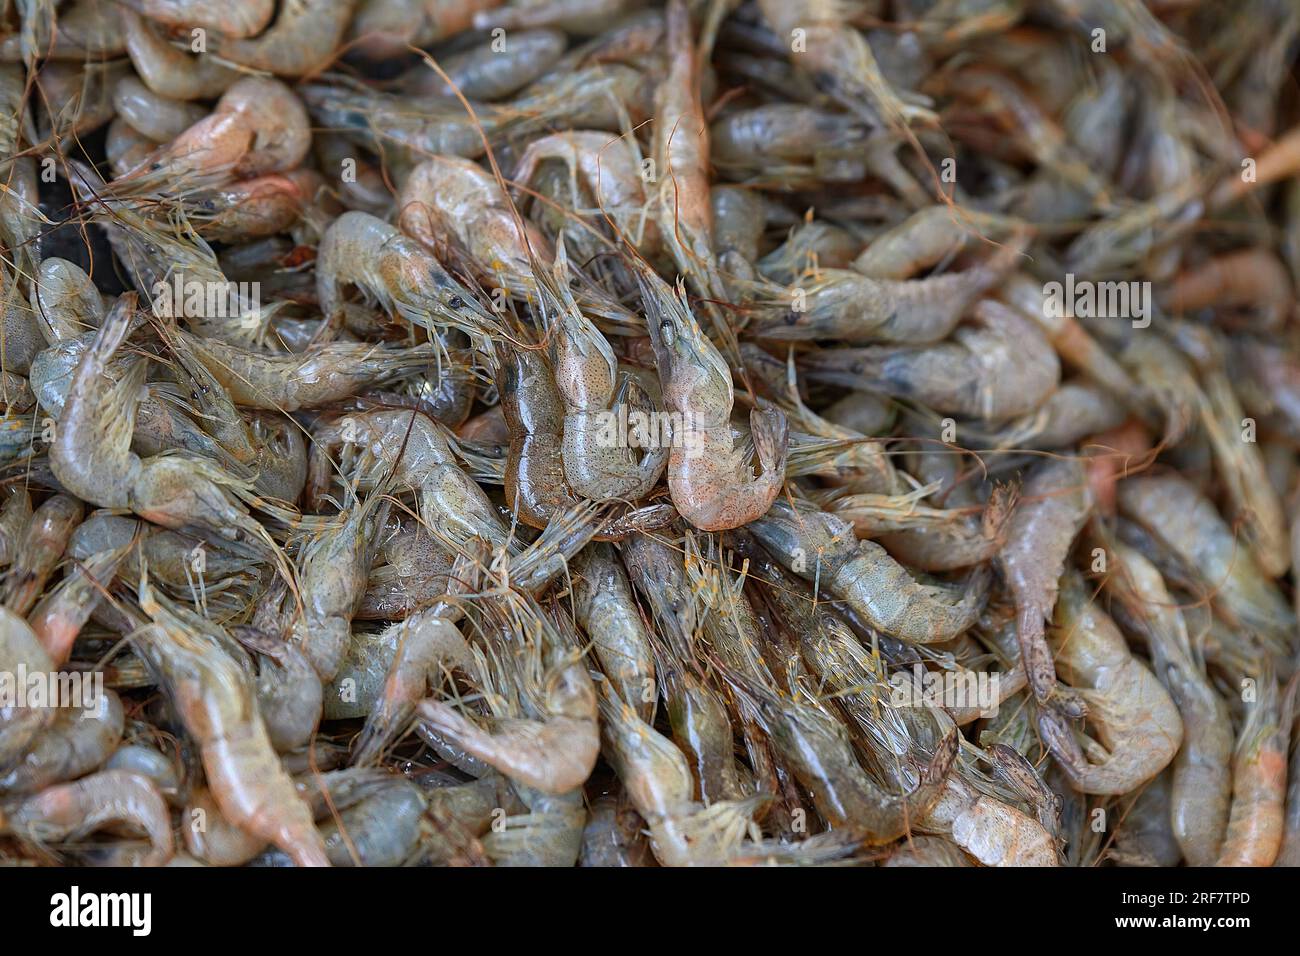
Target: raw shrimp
{"type": "Point", "coordinates": [78, 741]}
{"type": "Point", "coordinates": [302, 41]}
{"type": "Point", "coordinates": [1202, 777]}
{"type": "Point", "coordinates": [323, 374]}
{"type": "Point", "coordinates": [359, 249]}
{"type": "Point", "coordinates": [169, 71]}
{"type": "Point", "coordinates": [428, 643]}
{"type": "Point", "coordinates": [156, 116]}
{"type": "Point", "coordinates": [243, 18]}
{"type": "Point", "coordinates": [487, 72]}
{"type": "Point", "coordinates": [1138, 727]}
{"type": "Point", "coordinates": [1255, 826]}
{"type": "Point", "coordinates": [19, 724]}
{"type": "Point", "coordinates": [604, 607]}
{"type": "Point", "coordinates": [854, 308]}
{"type": "Point", "coordinates": [69, 811]}
{"type": "Point", "coordinates": [1054, 504]}
{"type": "Point", "coordinates": [839, 62]}
{"type": "Point", "coordinates": [91, 453]}
{"type": "Point", "coordinates": [553, 751]}
{"type": "Point", "coordinates": [709, 477]}
{"type": "Point", "coordinates": [65, 300]}
{"type": "Point", "coordinates": [822, 548]}
{"type": "Point", "coordinates": [1252, 278]}
{"type": "Point", "coordinates": [258, 126]}
{"type": "Point", "coordinates": [924, 239]}
{"type": "Point", "coordinates": [214, 699]}
{"type": "Point", "coordinates": [288, 688]}
{"type": "Point", "coordinates": [1001, 367]}
{"type": "Point", "coordinates": [1173, 511]}
{"type": "Point", "coordinates": [39, 550]}
{"type": "Point", "coordinates": [334, 566]}
{"type": "Point", "coordinates": [535, 483]}
{"type": "Point", "coordinates": [610, 169]}
{"type": "Point", "coordinates": [598, 462]}
{"type": "Point", "coordinates": [994, 832]}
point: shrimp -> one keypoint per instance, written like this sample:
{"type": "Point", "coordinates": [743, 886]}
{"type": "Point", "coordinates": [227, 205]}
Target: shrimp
{"type": "Point", "coordinates": [738, 223]}
{"type": "Point", "coordinates": [604, 607]}
{"type": "Point", "coordinates": [596, 464]}
{"type": "Point", "coordinates": [550, 834]}
{"type": "Point", "coordinates": [427, 643]}
{"type": "Point", "coordinates": [613, 835]}
{"type": "Point", "coordinates": [335, 563]}
{"type": "Point", "coordinates": [387, 28]}
{"type": "Point", "coordinates": [659, 785]}
{"type": "Point", "coordinates": [820, 754]}
{"type": "Point", "coordinates": [1251, 278]}
{"type": "Point", "coordinates": [58, 617]}
{"type": "Point", "coordinates": [359, 249]}
{"type": "Point", "coordinates": [610, 169]}
{"type": "Point", "coordinates": [39, 551]}
{"type": "Point", "coordinates": [854, 308]}
{"type": "Point", "coordinates": [584, 17]}
{"type": "Point", "coordinates": [535, 482]}
{"type": "Point", "coordinates": [15, 515]}
{"type": "Point", "coordinates": [781, 138]}
{"type": "Point", "coordinates": [1000, 368]}
{"type": "Point", "coordinates": [77, 742]}
{"type": "Point", "coordinates": [288, 689]}
{"type": "Point", "coordinates": [486, 72]}
{"type": "Point", "coordinates": [1176, 514]}
{"type": "Point", "coordinates": [65, 300]}
{"type": "Point", "coordinates": [1144, 835]}
{"type": "Point", "coordinates": [822, 548]}
{"type": "Point", "coordinates": [681, 156]}
{"type": "Point", "coordinates": [1256, 824]}
{"type": "Point", "coordinates": [931, 539]}
{"type": "Point", "coordinates": [1136, 721]}
{"type": "Point", "coordinates": [19, 724]}
{"type": "Point", "coordinates": [839, 62]}
{"type": "Point", "coordinates": [214, 700]}
{"type": "Point", "coordinates": [698, 716]}
{"type": "Point", "coordinates": [450, 195]}
{"type": "Point", "coordinates": [1054, 504]}
{"type": "Point", "coordinates": [258, 126]}
{"type": "Point", "coordinates": [244, 18]}
{"type": "Point", "coordinates": [319, 376]}
{"type": "Point", "coordinates": [169, 71]}
{"type": "Point", "coordinates": [709, 477]}
{"type": "Point", "coordinates": [1202, 778]}
{"type": "Point", "coordinates": [156, 116]}
{"type": "Point", "coordinates": [378, 820]}
{"type": "Point", "coordinates": [69, 811]}
{"type": "Point", "coordinates": [91, 454]}
{"type": "Point", "coordinates": [553, 752]}
{"type": "Point", "coordinates": [1251, 496]}
{"type": "Point", "coordinates": [212, 838]}
{"type": "Point", "coordinates": [993, 832]}
{"type": "Point", "coordinates": [302, 41]}
{"type": "Point", "coordinates": [922, 240]}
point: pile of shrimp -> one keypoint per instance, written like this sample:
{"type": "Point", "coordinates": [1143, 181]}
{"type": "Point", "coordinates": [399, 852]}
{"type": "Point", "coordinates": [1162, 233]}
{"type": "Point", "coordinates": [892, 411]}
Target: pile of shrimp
{"type": "Point", "coordinates": [628, 433]}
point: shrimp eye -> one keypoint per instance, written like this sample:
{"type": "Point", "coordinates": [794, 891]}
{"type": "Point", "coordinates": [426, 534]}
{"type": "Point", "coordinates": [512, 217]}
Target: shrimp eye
{"type": "Point", "coordinates": [155, 167]}
{"type": "Point", "coordinates": [667, 331]}
{"type": "Point", "coordinates": [455, 302]}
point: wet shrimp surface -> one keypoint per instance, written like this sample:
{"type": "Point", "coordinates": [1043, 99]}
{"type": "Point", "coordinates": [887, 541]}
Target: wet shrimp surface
{"type": "Point", "coordinates": [627, 433]}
